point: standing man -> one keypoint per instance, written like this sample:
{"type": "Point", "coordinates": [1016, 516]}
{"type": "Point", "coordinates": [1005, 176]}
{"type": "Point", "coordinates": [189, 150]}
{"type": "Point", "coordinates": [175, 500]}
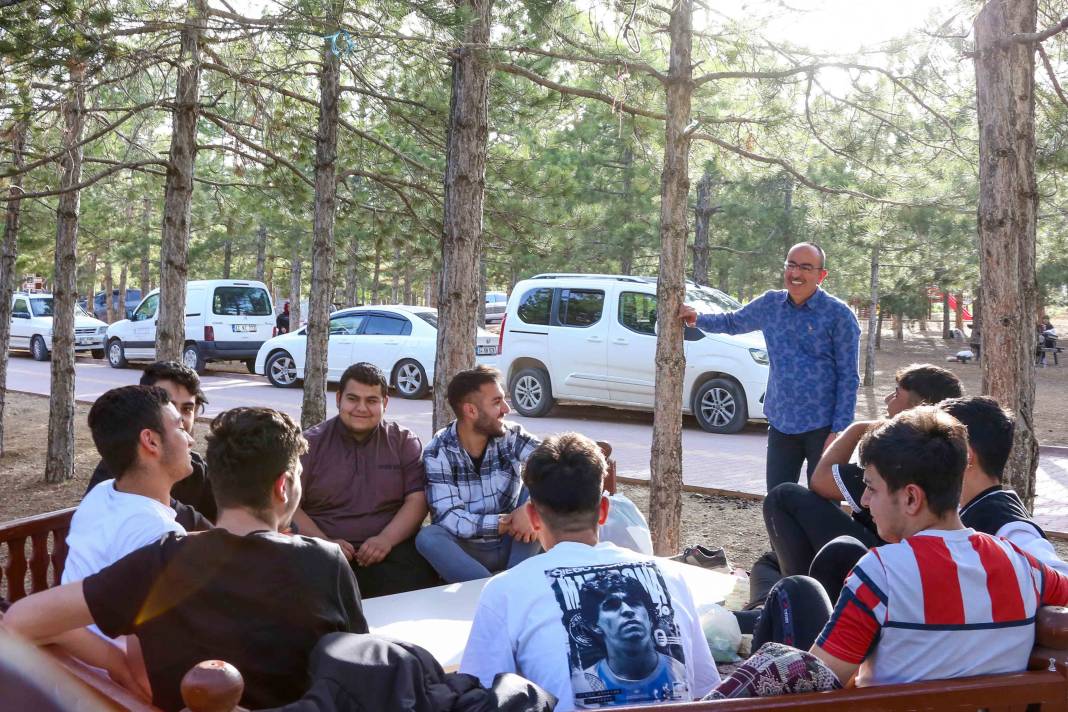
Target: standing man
{"type": "Point", "coordinates": [363, 487]}
{"type": "Point", "coordinates": [813, 341]}
{"type": "Point", "coordinates": [474, 484]}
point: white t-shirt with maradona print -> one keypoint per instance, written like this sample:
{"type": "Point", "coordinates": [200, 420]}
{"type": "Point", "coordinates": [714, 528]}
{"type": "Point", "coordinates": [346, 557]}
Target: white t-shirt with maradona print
{"type": "Point", "coordinates": [542, 620]}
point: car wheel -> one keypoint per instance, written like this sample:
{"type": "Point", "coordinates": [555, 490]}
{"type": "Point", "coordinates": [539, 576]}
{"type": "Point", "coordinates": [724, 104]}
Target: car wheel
{"type": "Point", "coordinates": [192, 358]}
{"type": "Point", "coordinates": [719, 406]}
{"type": "Point", "coordinates": [532, 395]}
{"type": "Point", "coordinates": [98, 353]}
{"type": "Point", "coordinates": [116, 354]}
{"type": "Point", "coordinates": [250, 364]}
{"type": "Point", "coordinates": [38, 349]}
{"type": "Point", "coordinates": [410, 379]}
{"type": "Point", "coordinates": [281, 370]}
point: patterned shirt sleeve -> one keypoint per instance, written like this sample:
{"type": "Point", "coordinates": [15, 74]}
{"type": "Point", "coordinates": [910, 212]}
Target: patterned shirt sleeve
{"type": "Point", "coordinates": [858, 617]}
{"type": "Point", "coordinates": [447, 508]}
{"type": "Point", "coordinates": [741, 321]}
{"type": "Point", "coordinates": [523, 443]}
{"type": "Point", "coordinates": [846, 352]}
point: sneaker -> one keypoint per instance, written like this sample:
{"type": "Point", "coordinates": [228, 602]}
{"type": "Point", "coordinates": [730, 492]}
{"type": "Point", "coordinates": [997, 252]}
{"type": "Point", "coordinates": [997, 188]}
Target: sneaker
{"type": "Point", "coordinates": [705, 558]}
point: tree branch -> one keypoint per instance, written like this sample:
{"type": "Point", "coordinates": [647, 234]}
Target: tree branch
{"type": "Point", "coordinates": [88, 181]}
{"type": "Point", "coordinates": [1043, 35]}
{"type": "Point", "coordinates": [221, 123]}
{"type": "Point", "coordinates": [575, 91]}
{"type": "Point", "coordinates": [1052, 76]}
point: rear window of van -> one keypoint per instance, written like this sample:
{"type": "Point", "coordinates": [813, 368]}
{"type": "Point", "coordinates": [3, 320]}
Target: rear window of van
{"type": "Point", "coordinates": [241, 301]}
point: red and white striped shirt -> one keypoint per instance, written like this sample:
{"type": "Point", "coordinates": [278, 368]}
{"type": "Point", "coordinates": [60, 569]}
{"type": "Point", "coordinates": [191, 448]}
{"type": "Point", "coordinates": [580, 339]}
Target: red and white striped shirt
{"type": "Point", "coordinates": [938, 605]}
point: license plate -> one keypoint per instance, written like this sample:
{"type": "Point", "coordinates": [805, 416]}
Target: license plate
{"type": "Point", "coordinates": [486, 350]}
{"type": "Point", "coordinates": [239, 328]}
{"type": "Point", "coordinates": [85, 341]}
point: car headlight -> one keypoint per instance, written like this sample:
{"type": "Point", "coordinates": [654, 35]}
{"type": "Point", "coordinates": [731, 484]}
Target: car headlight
{"type": "Point", "coordinates": [760, 356]}
{"type": "Point", "coordinates": [101, 329]}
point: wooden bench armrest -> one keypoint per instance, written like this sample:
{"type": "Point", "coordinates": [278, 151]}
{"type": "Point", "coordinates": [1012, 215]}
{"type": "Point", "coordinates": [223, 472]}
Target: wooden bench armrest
{"type": "Point", "coordinates": [41, 561]}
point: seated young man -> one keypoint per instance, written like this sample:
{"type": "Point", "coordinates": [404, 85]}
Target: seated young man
{"type": "Point", "coordinates": [594, 624]}
{"type": "Point", "coordinates": [801, 521]}
{"type": "Point", "coordinates": [192, 496]}
{"type": "Point", "coordinates": [241, 592]}
{"type": "Point", "coordinates": [939, 600]}
{"type": "Point", "coordinates": [473, 484]}
{"type": "Point", "coordinates": [139, 434]}
{"type": "Point", "coordinates": [363, 483]}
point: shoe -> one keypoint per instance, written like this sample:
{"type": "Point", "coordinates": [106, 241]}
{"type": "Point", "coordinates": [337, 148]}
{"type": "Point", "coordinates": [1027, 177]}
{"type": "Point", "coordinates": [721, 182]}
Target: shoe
{"type": "Point", "coordinates": [705, 558]}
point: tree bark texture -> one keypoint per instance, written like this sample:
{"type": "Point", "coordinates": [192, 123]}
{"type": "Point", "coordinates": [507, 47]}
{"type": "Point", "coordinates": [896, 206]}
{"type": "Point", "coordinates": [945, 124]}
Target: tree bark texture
{"type": "Point", "coordinates": [879, 330]}
{"type": "Point", "coordinates": [1008, 205]}
{"type": "Point", "coordinates": [178, 190]}
{"type": "Point", "coordinates": [313, 410]}
{"type": "Point", "coordinates": [146, 273]}
{"type": "Point", "coordinates": [958, 313]}
{"type": "Point", "coordinates": [873, 321]}
{"type": "Point", "coordinates": [945, 313]}
{"type": "Point", "coordinates": [108, 285]}
{"type": "Point", "coordinates": [8, 256]}
{"type": "Point", "coordinates": [295, 269]}
{"type": "Point", "coordinates": [352, 275]}
{"type": "Point", "coordinates": [376, 279]}
{"type": "Point", "coordinates": [465, 185]}
{"type": "Point", "coordinates": [703, 212]}
{"type": "Point", "coordinates": [261, 253]}
{"type": "Point", "coordinates": [123, 274]}
{"type": "Point", "coordinates": [665, 465]}
{"type": "Point", "coordinates": [59, 460]}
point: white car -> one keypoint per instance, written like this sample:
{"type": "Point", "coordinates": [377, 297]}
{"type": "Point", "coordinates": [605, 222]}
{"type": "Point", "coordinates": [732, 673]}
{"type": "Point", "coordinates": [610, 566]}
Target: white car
{"type": "Point", "coordinates": [496, 303]}
{"type": "Point", "coordinates": [592, 338]}
{"type": "Point", "coordinates": [400, 340]}
{"type": "Point", "coordinates": [31, 327]}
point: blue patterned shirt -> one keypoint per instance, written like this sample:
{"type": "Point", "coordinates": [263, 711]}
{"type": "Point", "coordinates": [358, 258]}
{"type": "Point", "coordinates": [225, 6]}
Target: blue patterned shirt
{"type": "Point", "coordinates": [465, 502]}
{"type": "Point", "coordinates": [813, 350]}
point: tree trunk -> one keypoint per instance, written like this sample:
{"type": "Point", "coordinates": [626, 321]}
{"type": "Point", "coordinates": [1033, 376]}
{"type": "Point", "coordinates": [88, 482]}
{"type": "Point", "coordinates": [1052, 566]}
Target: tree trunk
{"type": "Point", "coordinates": [787, 214]}
{"type": "Point", "coordinates": [1008, 205]}
{"type": "Point", "coordinates": [873, 320]}
{"type": "Point", "coordinates": [178, 192]}
{"type": "Point", "coordinates": [483, 286]}
{"type": "Point", "coordinates": [409, 298]}
{"type": "Point", "coordinates": [146, 223]}
{"type": "Point", "coordinates": [313, 411]}
{"type": "Point", "coordinates": [8, 256]}
{"type": "Point", "coordinates": [122, 291]}
{"type": "Point", "coordinates": [228, 248]}
{"type": "Point", "coordinates": [665, 465]}
{"type": "Point", "coordinates": [59, 460]}
{"type": "Point", "coordinates": [376, 282]}
{"type": "Point", "coordinates": [958, 313]}
{"type": "Point", "coordinates": [352, 276]}
{"type": "Point", "coordinates": [945, 314]}
{"type": "Point", "coordinates": [261, 253]}
{"type": "Point", "coordinates": [899, 327]}
{"type": "Point", "coordinates": [465, 185]}
{"type": "Point", "coordinates": [879, 331]}
{"type": "Point", "coordinates": [296, 265]}
{"type": "Point", "coordinates": [395, 285]}
{"type": "Point", "coordinates": [90, 276]}
{"type": "Point", "coordinates": [702, 215]}
{"type": "Point", "coordinates": [108, 285]}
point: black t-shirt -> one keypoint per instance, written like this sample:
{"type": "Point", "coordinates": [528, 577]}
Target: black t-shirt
{"type": "Point", "coordinates": [850, 479]}
{"type": "Point", "coordinates": [194, 491]}
{"type": "Point", "coordinates": [259, 602]}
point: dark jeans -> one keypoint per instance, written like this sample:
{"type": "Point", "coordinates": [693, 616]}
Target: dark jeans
{"type": "Point", "coordinates": [800, 523]}
{"type": "Point", "coordinates": [794, 613]}
{"type": "Point", "coordinates": [402, 570]}
{"type": "Point", "coordinates": [834, 562]}
{"type": "Point", "coordinates": [787, 452]}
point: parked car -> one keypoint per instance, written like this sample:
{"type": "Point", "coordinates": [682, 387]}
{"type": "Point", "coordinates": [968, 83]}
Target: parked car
{"type": "Point", "coordinates": [496, 302]}
{"type": "Point", "coordinates": [225, 320]}
{"type": "Point", "coordinates": [31, 327]}
{"type": "Point", "coordinates": [400, 340]}
{"type": "Point", "coordinates": [592, 338]}
{"type": "Point", "coordinates": [100, 308]}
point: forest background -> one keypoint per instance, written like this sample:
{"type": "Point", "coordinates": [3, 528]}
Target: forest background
{"type": "Point", "coordinates": [872, 152]}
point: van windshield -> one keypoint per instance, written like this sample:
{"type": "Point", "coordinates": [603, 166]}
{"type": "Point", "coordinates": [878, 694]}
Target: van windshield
{"type": "Point", "coordinates": [710, 301]}
{"type": "Point", "coordinates": [242, 301]}
{"type": "Point", "coordinates": [41, 306]}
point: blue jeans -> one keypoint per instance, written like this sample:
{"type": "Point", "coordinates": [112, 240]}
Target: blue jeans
{"type": "Point", "coordinates": [457, 559]}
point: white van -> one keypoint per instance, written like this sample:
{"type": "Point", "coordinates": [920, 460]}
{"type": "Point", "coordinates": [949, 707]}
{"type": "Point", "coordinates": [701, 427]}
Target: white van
{"type": "Point", "coordinates": [225, 320]}
{"type": "Point", "coordinates": [592, 338]}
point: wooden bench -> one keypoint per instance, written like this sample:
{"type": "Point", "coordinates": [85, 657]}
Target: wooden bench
{"type": "Point", "coordinates": [214, 686]}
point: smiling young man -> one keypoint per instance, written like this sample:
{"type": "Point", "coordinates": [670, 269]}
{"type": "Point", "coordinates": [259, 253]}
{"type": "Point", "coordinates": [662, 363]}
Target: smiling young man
{"type": "Point", "coordinates": [939, 600]}
{"type": "Point", "coordinates": [474, 486]}
{"type": "Point", "coordinates": [363, 487]}
{"type": "Point", "coordinates": [813, 341]}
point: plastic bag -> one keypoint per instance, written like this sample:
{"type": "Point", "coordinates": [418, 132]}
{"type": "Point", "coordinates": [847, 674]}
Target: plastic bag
{"type": "Point", "coordinates": [722, 632]}
{"type": "Point", "coordinates": [626, 526]}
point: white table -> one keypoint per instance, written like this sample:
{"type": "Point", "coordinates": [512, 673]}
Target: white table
{"type": "Point", "coordinates": [439, 619]}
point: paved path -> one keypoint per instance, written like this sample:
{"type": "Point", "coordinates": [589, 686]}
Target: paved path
{"type": "Point", "coordinates": [726, 462]}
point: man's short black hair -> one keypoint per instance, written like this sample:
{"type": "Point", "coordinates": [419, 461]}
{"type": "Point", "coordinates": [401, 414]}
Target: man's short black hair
{"type": "Point", "coordinates": [465, 383]}
{"type": "Point", "coordinates": [593, 592]}
{"type": "Point", "coordinates": [565, 478]}
{"type": "Point", "coordinates": [990, 430]}
{"type": "Point", "coordinates": [117, 418]}
{"type": "Point", "coordinates": [366, 373]}
{"type": "Point", "coordinates": [177, 372]}
{"type": "Point", "coordinates": [248, 448]}
{"type": "Point", "coordinates": [931, 384]}
{"type": "Point", "coordinates": [924, 446]}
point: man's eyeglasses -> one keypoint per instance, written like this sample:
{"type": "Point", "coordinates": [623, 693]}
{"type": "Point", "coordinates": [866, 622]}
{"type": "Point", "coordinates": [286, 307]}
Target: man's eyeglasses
{"type": "Point", "coordinates": [806, 268]}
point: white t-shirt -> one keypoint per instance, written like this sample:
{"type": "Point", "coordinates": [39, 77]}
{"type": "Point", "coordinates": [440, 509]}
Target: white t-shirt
{"type": "Point", "coordinates": [639, 641]}
{"type": "Point", "coordinates": [109, 524]}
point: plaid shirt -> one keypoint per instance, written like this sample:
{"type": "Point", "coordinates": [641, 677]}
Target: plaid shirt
{"type": "Point", "coordinates": [465, 502]}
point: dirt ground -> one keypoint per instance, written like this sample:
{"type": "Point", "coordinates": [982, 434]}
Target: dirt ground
{"type": "Point", "coordinates": [735, 524]}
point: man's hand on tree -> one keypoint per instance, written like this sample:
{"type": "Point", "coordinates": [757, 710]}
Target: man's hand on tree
{"type": "Point", "coordinates": [688, 315]}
